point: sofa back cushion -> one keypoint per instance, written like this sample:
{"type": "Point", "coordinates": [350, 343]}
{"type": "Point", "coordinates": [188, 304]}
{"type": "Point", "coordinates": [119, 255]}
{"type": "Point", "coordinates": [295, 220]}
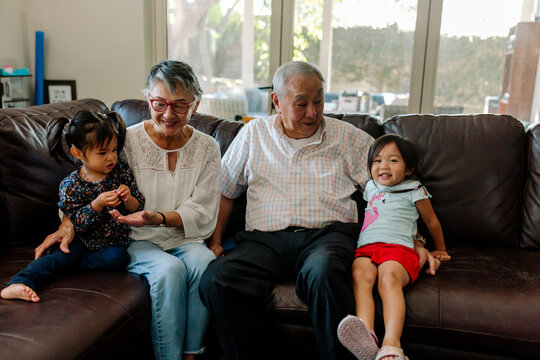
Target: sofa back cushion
{"type": "Point", "coordinates": [29, 177]}
{"type": "Point", "coordinates": [473, 165]}
{"type": "Point", "coordinates": [365, 122]}
{"type": "Point", "coordinates": [530, 236]}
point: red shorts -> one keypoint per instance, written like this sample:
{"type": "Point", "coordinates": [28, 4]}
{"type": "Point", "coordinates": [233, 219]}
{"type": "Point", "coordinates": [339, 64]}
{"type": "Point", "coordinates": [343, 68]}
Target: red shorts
{"type": "Point", "coordinates": [381, 252]}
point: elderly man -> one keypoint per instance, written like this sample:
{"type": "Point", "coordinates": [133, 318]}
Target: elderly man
{"type": "Point", "coordinates": [299, 169]}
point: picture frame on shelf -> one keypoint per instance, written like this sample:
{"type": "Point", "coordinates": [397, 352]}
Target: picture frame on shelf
{"type": "Point", "coordinates": [59, 91]}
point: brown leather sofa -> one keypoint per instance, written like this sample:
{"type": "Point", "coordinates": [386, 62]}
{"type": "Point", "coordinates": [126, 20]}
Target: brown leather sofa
{"type": "Point", "coordinates": [482, 170]}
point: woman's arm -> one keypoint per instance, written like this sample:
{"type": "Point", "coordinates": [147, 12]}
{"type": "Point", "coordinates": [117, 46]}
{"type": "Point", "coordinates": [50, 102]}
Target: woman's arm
{"type": "Point", "coordinates": [199, 212]}
{"type": "Point", "coordinates": [64, 235]}
{"type": "Point", "coordinates": [434, 226]}
{"type": "Point", "coordinates": [146, 217]}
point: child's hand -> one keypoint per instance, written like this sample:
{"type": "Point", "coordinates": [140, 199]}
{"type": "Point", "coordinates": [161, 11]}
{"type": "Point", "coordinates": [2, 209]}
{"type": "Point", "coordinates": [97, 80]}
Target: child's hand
{"type": "Point", "coordinates": [108, 198]}
{"type": "Point", "coordinates": [123, 192]}
{"type": "Point", "coordinates": [441, 255]}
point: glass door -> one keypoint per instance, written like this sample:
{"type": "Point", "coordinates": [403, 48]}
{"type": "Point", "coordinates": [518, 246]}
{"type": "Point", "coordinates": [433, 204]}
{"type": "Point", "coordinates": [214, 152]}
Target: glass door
{"type": "Point", "coordinates": [227, 42]}
{"type": "Point", "coordinates": [364, 49]}
{"type": "Point", "coordinates": [382, 57]}
{"type": "Point", "coordinates": [487, 59]}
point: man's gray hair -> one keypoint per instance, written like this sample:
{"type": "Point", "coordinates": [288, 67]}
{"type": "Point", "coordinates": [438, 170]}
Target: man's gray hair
{"type": "Point", "coordinates": [282, 74]}
{"type": "Point", "coordinates": [173, 73]}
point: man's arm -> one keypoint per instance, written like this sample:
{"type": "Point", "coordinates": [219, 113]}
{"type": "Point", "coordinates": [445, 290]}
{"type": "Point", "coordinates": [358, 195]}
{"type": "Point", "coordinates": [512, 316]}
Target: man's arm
{"type": "Point", "coordinates": [225, 210]}
{"type": "Point", "coordinates": [423, 256]}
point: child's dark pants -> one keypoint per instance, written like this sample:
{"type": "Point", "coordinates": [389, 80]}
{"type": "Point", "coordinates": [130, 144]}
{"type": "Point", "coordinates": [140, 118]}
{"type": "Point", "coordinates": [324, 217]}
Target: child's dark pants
{"type": "Point", "coordinates": [58, 263]}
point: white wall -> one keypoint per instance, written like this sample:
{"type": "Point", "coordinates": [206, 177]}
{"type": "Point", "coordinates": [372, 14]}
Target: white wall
{"type": "Point", "coordinates": [102, 44]}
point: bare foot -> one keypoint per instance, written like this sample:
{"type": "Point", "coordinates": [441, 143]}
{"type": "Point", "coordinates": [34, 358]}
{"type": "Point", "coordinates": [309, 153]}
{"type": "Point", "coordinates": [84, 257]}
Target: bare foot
{"type": "Point", "coordinates": [19, 291]}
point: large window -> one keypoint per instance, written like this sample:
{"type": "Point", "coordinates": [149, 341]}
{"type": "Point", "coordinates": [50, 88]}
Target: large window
{"type": "Point", "coordinates": [227, 43]}
{"type": "Point", "coordinates": [364, 49]}
{"type": "Point", "coordinates": [384, 57]}
{"type": "Point", "coordinates": [476, 39]}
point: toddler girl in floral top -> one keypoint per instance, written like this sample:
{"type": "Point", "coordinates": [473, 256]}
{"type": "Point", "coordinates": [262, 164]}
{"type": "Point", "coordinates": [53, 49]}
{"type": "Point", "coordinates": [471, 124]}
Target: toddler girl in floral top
{"type": "Point", "coordinates": [87, 195]}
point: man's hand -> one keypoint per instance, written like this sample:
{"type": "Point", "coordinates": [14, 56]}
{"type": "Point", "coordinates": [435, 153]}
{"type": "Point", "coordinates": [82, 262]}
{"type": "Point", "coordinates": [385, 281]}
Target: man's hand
{"type": "Point", "coordinates": [64, 236]}
{"type": "Point", "coordinates": [425, 256]}
{"type": "Point", "coordinates": [217, 249]}
{"type": "Point", "coordinates": [441, 255]}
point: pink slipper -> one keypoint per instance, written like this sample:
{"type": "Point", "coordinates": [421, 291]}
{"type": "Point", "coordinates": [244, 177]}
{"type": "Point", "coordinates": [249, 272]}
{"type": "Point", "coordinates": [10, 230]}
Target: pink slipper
{"type": "Point", "coordinates": [392, 352]}
{"type": "Point", "coordinates": [356, 337]}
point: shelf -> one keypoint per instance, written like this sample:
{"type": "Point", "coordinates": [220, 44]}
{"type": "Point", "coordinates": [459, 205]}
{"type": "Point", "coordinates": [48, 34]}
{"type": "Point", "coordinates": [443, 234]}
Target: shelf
{"type": "Point", "coordinates": [16, 100]}
{"type": "Point", "coordinates": [14, 90]}
{"type": "Point", "coordinates": [14, 76]}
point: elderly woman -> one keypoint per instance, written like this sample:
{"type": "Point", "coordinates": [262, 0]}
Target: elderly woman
{"type": "Point", "coordinates": [177, 168]}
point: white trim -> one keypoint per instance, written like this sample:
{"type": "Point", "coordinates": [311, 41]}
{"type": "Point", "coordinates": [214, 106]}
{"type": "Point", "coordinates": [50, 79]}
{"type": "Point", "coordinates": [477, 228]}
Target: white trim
{"type": "Point", "coordinates": [419, 54]}
{"type": "Point", "coordinates": [158, 30]}
{"type": "Point", "coordinates": [248, 44]}
{"type": "Point", "coordinates": [275, 37]}
{"type": "Point", "coordinates": [325, 52]}
{"type": "Point", "coordinates": [535, 106]}
{"type": "Point", "coordinates": [425, 56]}
{"type": "Point", "coordinates": [432, 56]}
{"type": "Point", "coordinates": [287, 31]}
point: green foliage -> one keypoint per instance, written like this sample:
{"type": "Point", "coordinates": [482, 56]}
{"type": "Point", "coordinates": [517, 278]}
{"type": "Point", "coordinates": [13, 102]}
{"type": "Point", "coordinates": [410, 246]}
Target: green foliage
{"type": "Point", "coordinates": [369, 59]}
{"type": "Point", "coordinates": [470, 68]}
{"type": "Point", "coordinates": [378, 59]}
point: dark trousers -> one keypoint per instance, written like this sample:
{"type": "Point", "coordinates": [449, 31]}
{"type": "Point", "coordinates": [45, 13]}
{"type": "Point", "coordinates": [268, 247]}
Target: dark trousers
{"type": "Point", "coordinates": [51, 266]}
{"type": "Point", "coordinates": [237, 288]}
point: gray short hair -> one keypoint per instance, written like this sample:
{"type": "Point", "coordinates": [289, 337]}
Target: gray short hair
{"type": "Point", "coordinates": [282, 74]}
{"type": "Point", "coordinates": [173, 73]}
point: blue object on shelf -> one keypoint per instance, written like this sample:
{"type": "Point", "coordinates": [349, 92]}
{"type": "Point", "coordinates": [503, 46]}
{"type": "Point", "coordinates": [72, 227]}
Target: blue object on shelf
{"type": "Point", "coordinates": [38, 88]}
{"type": "Point", "coordinates": [18, 72]}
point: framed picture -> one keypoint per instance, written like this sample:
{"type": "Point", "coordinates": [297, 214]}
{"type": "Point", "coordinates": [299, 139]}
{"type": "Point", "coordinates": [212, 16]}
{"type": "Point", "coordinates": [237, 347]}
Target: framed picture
{"type": "Point", "coordinates": [56, 91]}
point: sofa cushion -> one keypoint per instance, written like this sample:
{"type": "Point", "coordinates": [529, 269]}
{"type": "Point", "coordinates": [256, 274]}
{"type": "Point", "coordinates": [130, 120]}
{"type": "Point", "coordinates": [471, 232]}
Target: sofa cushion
{"type": "Point", "coordinates": [473, 165]}
{"type": "Point", "coordinates": [531, 197]}
{"type": "Point", "coordinates": [133, 111]}
{"type": "Point", "coordinates": [484, 300]}
{"type": "Point", "coordinates": [82, 315]}
{"type": "Point", "coordinates": [29, 177]}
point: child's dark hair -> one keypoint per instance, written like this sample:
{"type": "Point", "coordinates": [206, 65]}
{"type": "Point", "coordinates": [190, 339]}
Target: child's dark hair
{"type": "Point", "coordinates": [408, 151]}
{"type": "Point", "coordinates": [86, 129]}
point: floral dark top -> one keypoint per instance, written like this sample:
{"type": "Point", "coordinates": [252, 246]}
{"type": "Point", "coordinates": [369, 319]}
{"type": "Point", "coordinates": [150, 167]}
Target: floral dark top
{"type": "Point", "coordinates": [97, 229]}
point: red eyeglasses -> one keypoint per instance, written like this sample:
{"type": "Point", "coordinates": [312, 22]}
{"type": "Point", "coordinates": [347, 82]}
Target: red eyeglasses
{"type": "Point", "coordinates": [178, 107]}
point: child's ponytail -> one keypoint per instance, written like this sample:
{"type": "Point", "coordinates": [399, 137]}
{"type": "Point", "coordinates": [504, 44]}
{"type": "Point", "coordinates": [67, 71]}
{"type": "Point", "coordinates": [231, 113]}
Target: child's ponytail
{"type": "Point", "coordinates": [85, 129]}
{"type": "Point", "coordinates": [120, 126]}
{"type": "Point", "coordinates": [55, 133]}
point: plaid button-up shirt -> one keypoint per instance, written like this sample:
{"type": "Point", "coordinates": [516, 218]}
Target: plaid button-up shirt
{"type": "Point", "coordinates": [307, 188]}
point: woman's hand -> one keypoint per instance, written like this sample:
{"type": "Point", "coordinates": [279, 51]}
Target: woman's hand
{"type": "Point", "coordinates": [64, 235]}
{"type": "Point", "coordinates": [137, 219]}
{"type": "Point", "coordinates": [441, 255]}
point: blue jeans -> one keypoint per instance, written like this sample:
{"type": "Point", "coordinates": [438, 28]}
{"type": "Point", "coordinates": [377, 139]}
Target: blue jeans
{"type": "Point", "coordinates": [51, 266]}
{"type": "Point", "coordinates": [179, 319]}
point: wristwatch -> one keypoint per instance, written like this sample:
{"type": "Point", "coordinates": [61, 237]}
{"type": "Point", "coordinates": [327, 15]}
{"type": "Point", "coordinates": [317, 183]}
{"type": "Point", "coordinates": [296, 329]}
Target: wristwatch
{"type": "Point", "coordinates": [420, 238]}
{"type": "Point", "coordinates": [164, 220]}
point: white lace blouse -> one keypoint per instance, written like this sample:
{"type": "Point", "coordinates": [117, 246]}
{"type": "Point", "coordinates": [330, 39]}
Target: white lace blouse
{"type": "Point", "coordinates": [192, 190]}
